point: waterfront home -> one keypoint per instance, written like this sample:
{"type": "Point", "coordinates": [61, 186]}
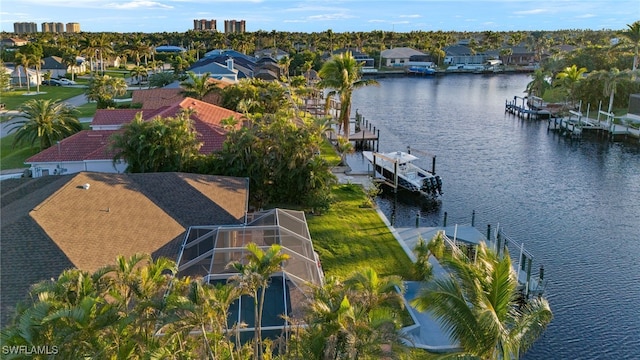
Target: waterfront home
{"type": "Point", "coordinates": [398, 56]}
{"type": "Point", "coordinates": [85, 220]}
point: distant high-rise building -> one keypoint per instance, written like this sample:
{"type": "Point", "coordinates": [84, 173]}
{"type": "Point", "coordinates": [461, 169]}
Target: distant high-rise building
{"type": "Point", "coordinates": [73, 27]}
{"type": "Point", "coordinates": [234, 26]}
{"type": "Point", "coordinates": [53, 27]}
{"type": "Point", "coordinates": [25, 27]}
{"type": "Point", "coordinates": [204, 24]}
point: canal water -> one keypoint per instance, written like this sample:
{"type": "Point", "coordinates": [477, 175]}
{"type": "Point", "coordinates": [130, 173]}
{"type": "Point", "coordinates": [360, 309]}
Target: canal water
{"type": "Point", "coordinates": [574, 203]}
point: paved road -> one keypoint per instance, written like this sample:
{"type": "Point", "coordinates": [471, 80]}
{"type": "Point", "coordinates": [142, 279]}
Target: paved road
{"type": "Point", "coordinates": [6, 126]}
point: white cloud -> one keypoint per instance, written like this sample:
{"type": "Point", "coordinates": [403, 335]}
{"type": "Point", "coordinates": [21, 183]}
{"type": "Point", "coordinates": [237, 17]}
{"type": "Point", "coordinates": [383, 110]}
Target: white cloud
{"type": "Point", "coordinates": [138, 4]}
{"type": "Point", "coordinates": [329, 17]}
{"type": "Point", "coordinates": [410, 16]}
{"type": "Point", "coordinates": [531, 12]}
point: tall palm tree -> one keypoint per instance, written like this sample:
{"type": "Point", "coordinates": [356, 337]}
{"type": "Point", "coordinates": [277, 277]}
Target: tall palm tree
{"type": "Point", "coordinates": [26, 61]}
{"type": "Point", "coordinates": [254, 276]}
{"type": "Point", "coordinates": [343, 74]}
{"type": "Point", "coordinates": [198, 85]}
{"type": "Point", "coordinates": [633, 35]}
{"type": "Point", "coordinates": [611, 80]}
{"type": "Point", "coordinates": [478, 304]}
{"type": "Point", "coordinates": [139, 72]}
{"type": "Point", "coordinates": [104, 49]}
{"type": "Point", "coordinates": [538, 84]}
{"type": "Point", "coordinates": [46, 122]}
{"type": "Point", "coordinates": [569, 79]}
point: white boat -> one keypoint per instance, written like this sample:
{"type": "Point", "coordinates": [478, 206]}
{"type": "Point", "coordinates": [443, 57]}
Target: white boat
{"type": "Point", "coordinates": [398, 168]}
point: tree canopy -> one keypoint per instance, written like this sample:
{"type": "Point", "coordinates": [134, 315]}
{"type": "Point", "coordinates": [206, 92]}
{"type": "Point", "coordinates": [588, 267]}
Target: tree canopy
{"type": "Point", "coordinates": [157, 145]}
{"type": "Point", "coordinates": [45, 122]}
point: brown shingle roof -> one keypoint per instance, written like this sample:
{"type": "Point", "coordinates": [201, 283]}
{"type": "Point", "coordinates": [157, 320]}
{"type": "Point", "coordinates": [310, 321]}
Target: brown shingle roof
{"type": "Point", "coordinates": [51, 223]}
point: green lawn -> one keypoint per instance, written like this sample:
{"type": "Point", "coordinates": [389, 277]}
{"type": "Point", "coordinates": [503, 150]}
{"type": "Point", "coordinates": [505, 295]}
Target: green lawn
{"type": "Point", "coordinates": [13, 158]}
{"type": "Point", "coordinates": [349, 237]}
{"type": "Point", "coordinates": [87, 110]}
{"type": "Point", "coordinates": [328, 152]}
{"type": "Point", "coordinates": [13, 99]}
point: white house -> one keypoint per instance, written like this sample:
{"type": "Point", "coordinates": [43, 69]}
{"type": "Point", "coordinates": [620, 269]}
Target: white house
{"type": "Point", "coordinates": [399, 56]}
{"type": "Point", "coordinates": [20, 78]}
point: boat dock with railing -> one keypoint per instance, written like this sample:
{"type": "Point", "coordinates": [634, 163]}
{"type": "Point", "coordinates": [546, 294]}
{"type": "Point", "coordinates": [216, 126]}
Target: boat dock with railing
{"type": "Point", "coordinates": [464, 239]}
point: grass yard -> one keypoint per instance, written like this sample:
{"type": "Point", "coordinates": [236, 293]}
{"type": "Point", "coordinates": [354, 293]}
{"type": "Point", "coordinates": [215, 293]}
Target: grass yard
{"type": "Point", "coordinates": [328, 152]}
{"type": "Point", "coordinates": [13, 99]}
{"type": "Point", "coordinates": [11, 158]}
{"type": "Point", "coordinates": [349, 237]}
{"type": "Point", "coordinates": [87, 110]}
{"type": "Point", "coordinates": [14, 158]}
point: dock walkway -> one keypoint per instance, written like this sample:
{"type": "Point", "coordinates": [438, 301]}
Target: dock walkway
{"type": "Point", "coordinates": [576, 125]}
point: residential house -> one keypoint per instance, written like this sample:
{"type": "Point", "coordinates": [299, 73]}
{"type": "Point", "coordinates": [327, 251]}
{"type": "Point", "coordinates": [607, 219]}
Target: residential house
{"type": "Point", "coordinates": [86, 220]}
{"type": "Point", "coordinates": [90, 150]}
{"type": "Point", "coordinates": [459, 55]}
{"type": "Point", "coordinates": [19, 77]}
{"type": "Point", "coordinates": [267, 69]}
{"type": "Point", "coordinates": [276, 54]}
{"type": "Point", "coordinates": [398, 56]}
{"type": "Point", "coordinates": [58, 68]}
{"type": "Point", "coordinates": [221, 71]}
{"type": "Point", "coordinates": [519, 56]}
{"type": "Point", "coordinates": [13, 42]}
{"type": "Point", "coordinates": [368, 63]}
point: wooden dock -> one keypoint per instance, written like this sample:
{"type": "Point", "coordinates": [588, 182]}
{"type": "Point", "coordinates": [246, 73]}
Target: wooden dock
{"type": "Point", "coordinates": [526, 110]}
{"type": "Point", "coordinates": [576, 125]}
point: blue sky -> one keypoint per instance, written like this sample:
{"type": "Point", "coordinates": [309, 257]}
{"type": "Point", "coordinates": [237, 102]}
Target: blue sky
{"type": "Point", "coordinates": [320, 15]}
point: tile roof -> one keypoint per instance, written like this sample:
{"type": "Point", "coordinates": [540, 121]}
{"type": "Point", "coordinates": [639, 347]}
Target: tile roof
{"type": "Point", "coordinates": [94, 144]}
{"type": "Point", "coordinates": [156, 98]}
{"type": "Point", "coordinates": [52, 223]}
{"type": "Point", "coordinates": [114, 116]}
{"type": "Point", "coordinates": [84, 145]}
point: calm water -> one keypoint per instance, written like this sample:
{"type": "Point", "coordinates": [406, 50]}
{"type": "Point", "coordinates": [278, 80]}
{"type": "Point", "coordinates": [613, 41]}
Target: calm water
{"type": "Point", "coordinates": [574, 203]}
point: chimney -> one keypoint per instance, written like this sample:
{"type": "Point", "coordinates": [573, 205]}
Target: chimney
{"type": "Point", "coordinates": [230, 63]}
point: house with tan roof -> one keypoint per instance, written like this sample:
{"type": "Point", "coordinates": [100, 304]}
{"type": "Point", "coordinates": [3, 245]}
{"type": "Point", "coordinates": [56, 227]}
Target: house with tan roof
{"type": "Point", "coordinates": [398, 56]}
{"type": "Point", "coordinates": [89, 150]}
{"type": "Point", "coordinates": [86, 220]}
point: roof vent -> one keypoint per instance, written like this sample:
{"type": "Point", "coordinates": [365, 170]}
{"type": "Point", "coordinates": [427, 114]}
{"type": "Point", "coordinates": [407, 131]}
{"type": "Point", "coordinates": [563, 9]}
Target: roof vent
{"type": "Point", "coordinates": [86, 186]}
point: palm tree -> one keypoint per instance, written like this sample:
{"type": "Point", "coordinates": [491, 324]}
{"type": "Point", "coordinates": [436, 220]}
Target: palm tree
{"type": "Point", "coordinates": [341, 326]}
{"type": "Point", "coordinates": [254, 276]}
{"type": "Point", "coordinates": [342, 74]}
{"type": "Point", "coordinates": [104, 89]}
{"type": "Point", "coordinates": [45, 121]}
{"type": "Point", "coordinates": [569, 78]}
{"type": "Point", "coordinates": [198, 85]}
{"type": "Point", "coordinates": [25, 60]}
{"type": "Point", "coordinates": [139, 72]}
{"type": "Point", "coordinates": [633, 35]}
{"type": "Point", "coordinates": [478, 304]}
{"type": "Point", "coordinates": [538, 84]}
{"type": "Point", "coordinates": [104, 49]}
{"type": "Point", "coordinates": [372, 291]}
{"type": "Point", "coordinates": [612, 79]}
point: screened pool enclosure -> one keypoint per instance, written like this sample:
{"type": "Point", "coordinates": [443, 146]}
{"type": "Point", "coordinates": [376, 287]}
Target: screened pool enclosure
{"type": "Point", "coordinates": [207, 250]}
